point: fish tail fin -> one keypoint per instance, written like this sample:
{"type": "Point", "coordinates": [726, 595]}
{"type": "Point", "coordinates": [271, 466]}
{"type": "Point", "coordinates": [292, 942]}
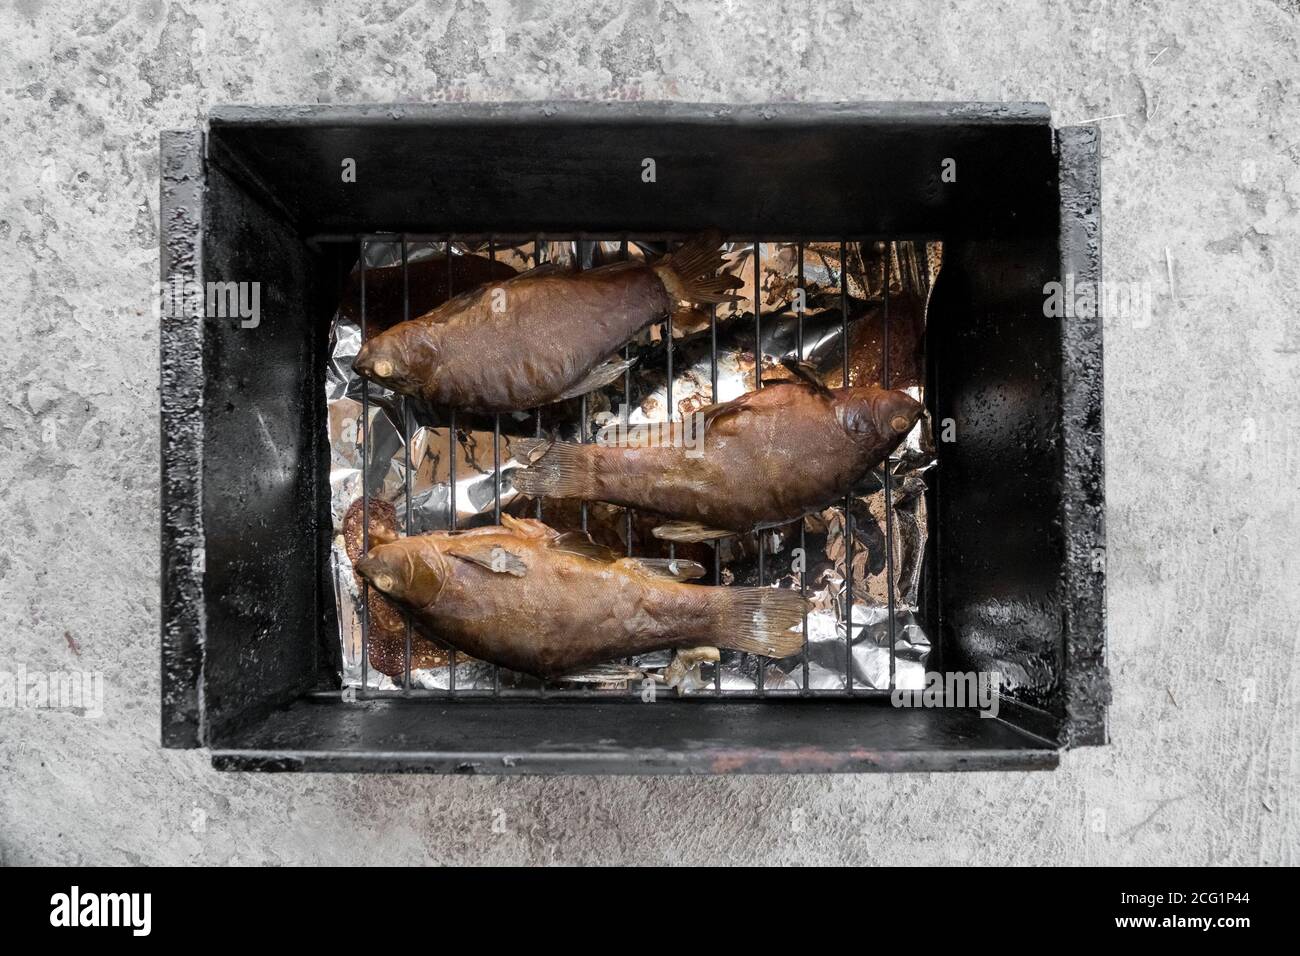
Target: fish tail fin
{"type": "Point", "coordinates": [554, 469]}
{"type": "Point", "coordinates": [759, 621]}
{"type": "Point", "coordinates": [690, 274]}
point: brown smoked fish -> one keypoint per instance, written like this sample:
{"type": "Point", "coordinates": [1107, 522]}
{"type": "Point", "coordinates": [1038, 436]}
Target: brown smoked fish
{"type": "Point", "coordinates": [764, 459]}
{"type": "Point", "coordinates": [530, 599]}
{"type": "Point", "coordinates": [541, 337]}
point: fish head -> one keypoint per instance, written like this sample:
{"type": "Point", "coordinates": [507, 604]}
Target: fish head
{"type": "Point", "coordinates": [410, 571]}
{"type": "Point", "coordinates": [876, 413]}
{"type": "Point", "coordinates": [395, 358]}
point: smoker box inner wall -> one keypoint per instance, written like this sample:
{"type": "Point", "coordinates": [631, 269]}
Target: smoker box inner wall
{"type": "Point", "coordinates": [1012, 576]}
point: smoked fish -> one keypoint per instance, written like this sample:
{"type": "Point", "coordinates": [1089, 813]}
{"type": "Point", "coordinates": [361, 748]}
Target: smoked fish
{"type": "Point", "coordinates": [762, 460]}
{"type": "Point", "coordinates": [543, 336]}
{"type": "Point", "coordinates": [533, 600]}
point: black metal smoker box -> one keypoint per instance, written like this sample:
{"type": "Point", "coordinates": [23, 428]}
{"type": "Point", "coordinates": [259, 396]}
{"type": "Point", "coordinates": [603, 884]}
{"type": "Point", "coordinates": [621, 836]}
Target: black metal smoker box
{"type": "Point", "coordinates": [1014, 575]}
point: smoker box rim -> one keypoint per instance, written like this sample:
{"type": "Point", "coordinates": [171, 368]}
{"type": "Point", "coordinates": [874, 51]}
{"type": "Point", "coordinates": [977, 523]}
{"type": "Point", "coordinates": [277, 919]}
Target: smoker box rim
{"type": "Point", "coordinates": [907, 112]}
{"type": "Point", "coordinates": [689, 736]}
{"type": "Point", "coordinates": [257, 144]}
{"type": "Point", "coordinates": [1086, 677]}
{"type": "Point", "coordinates": [183, 187]}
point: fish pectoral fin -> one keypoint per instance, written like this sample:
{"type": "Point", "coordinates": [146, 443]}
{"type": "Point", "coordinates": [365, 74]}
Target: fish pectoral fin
{"type": "Point", "coordinates": [689, 531]}
{"type": "Point", "coordinates": [598, 377]}
{"type": "Point", "coordinates": [683, 672]}
{"type": "Point", "coordinates": [806, 373]}
{"type": "Point", "coordinates": [496, 559]}
{"type": "Point", "coordinates": [676, 569]}
{"type": "Point", "coordinates": [611, 673]}
{"type": "Point", "coordinates": [579, 543]}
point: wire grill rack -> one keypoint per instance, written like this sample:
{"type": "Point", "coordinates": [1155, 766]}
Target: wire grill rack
{"type": "Point", "coordinates": [584, 246]}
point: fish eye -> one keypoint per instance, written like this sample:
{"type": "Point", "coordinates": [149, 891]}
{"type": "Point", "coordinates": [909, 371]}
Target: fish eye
{"type": "Point", "coordinates": [897, 413]}
{"type": "Point", "coordinates": [379, 571]}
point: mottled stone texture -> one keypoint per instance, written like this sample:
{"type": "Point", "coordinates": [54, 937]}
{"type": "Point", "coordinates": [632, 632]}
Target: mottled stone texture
{"type": "Point", "coordinates": [1201, 177]}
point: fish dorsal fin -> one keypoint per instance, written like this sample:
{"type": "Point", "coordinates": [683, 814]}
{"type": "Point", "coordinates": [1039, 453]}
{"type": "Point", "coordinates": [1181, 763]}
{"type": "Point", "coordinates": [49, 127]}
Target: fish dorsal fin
{"type": "Point", "coordinates": [492, 557]}
{"type": "Point", "coordinates": [460, 533]}
{"type": "Point", "coordinates": [576, 542]}
{"type": "Point", "coordinates": [806, 373]}
{"type": "Point", "coordinates": [527, 527]}
{"type": "Point", "coordinates": [689, 531]}
{"type": "Point", "coordinates": [622, 265]}
{"type": "Point", "coordinates": [675, 569]}
{"type": "Point", "coordinates": [797, 383]}
{"type": "Point", "coordinates": [536, 272]}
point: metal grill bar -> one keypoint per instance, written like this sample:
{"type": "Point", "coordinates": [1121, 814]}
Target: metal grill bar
{"type": "Point", "coordinates": [407, 432]}
{"type": "Point", "coordinates": [496, 469]}
{"type": "Point", "coordinates": [758, 384]}
{"type": "Point", "coordinates": [672, 409]}
{"type": "Point", "coordinates": [625, 414]}
{"type": "Point", "coordinates": [583, 252]}
{"type": "Point", "coordinates": [848, 499]}
{"type": "Point", "coordinates": [451, 458]}
{"type": "Point", "coordinates": [563, 693]}
{"type": "Point", "coordinates": [365, 489]}
{"type": "Point", "coordinates": [884, 249]}
{"type": "Point", "coordinates": [523, 238]}
{"type": "Point", "coordinates": [538, 259]}
{"type": "Point", "coordinates": [583, 255]}
{"type": "Point", "coordinates": [800, 295]}
{"type": "Point", "coordinates": [627, 402]}
{"type": "Point", "coordinates": [713, 398]}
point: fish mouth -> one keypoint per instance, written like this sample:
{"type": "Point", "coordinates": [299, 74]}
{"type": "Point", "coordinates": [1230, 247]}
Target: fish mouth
{"type": "Point", "coordinates": [376, 572]}
{"type": "Point", "coordinates": [364, 363]}
{"type": "Point", "coordinates": [900, 412]}
{"type": "Point", "coordinates": [376, 366]}
{"type": "Point", "coordinates": [372, 366]}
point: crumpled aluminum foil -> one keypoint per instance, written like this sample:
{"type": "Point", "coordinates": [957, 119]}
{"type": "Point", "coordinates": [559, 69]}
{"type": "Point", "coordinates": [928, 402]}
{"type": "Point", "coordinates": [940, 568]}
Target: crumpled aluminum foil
{"type": "Point", "coordinates": [912, 269]}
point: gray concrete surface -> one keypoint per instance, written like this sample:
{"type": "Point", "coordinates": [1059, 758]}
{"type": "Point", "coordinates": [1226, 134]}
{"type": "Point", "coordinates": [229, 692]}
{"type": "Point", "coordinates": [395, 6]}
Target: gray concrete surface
{"type": "Point", "coordinates": [1202, 200]}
